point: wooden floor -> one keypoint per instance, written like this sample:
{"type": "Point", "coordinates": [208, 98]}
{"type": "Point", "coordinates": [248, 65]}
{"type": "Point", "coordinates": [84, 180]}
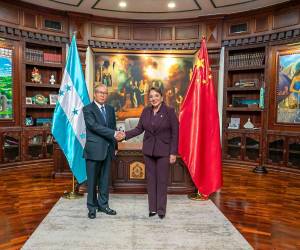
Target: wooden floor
{"type": "Point", "coordinates": [265, 209]}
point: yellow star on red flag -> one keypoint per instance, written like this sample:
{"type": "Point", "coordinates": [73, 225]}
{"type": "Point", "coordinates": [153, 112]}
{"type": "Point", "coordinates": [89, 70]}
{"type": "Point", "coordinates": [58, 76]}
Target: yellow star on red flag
{"type": "Point", "coordinates": [200, 63]}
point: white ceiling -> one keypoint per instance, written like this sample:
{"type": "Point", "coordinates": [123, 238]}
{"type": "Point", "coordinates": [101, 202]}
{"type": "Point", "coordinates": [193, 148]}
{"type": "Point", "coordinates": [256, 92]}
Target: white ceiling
{"type": "Point", "coordinates": [156, 9]}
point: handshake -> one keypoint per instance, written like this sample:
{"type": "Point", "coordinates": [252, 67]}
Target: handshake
{"type": "Point", "coordinates": [119, 135]}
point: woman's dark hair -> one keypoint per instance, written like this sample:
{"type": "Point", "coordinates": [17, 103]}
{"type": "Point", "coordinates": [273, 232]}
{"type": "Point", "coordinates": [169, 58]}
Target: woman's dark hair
{"type": "Point", "coordinates": [156, 89]}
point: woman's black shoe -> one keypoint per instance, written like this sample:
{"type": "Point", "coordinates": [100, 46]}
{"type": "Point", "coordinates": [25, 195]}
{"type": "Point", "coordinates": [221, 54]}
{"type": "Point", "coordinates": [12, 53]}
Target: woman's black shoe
{"type": "Point", "coordinates": [152, 214]}
{"type": "Point", "coordinates": [161, 216]}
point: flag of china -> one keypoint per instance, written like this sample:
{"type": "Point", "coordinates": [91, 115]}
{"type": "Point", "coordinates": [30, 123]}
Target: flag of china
{"type": "Point", "coordinates": [199, 133]}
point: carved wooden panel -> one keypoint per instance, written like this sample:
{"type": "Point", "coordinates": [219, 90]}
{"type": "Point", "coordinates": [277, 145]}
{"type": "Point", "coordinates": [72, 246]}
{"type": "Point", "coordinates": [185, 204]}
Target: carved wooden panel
{"type": "Point", "coordinates": [293, 159]}
{"type": "Point", "coordinates": [252, 147]}
{"type": "Point", "coordinates": [187, 32]}
{"type": "Point", "coordinates": [284, 19]}
{"type": "Point", "coordinates": [78, 27]}
{"type": "Point", "coordinates": [261, 23]}
{"type": "Point", "coordinates": [276, 149]}
{"type": "Point", "coordinates": [124, 32]}
{"type": "Point", "coordinates": [9, 14]}
{"type": "Point", "coordinates": [33, 144]}
{"type": "Point", "coordinates": [178, 173]}
{"type": "Point", "coordinates": [11, 146]}
{"type": "Point", "coordinates": [29, 20]}
{"type": "Point", "coordinates": [165, 33]}
{"type": "Point", "coordinates": [103, 30]}
{"type": "Point", "coordinates": [144, 33]}
{"type": "Point", "coordinates": [212, 33]}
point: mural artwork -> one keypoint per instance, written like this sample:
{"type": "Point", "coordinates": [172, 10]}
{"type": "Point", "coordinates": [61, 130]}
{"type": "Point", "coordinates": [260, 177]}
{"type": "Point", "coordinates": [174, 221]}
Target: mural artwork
{"type": "Point", "coordinates": [288, 89]}
{"type": "Point", "coordinates": [6, 84]}
{"type": "Point", "coordinates": [129, 77]}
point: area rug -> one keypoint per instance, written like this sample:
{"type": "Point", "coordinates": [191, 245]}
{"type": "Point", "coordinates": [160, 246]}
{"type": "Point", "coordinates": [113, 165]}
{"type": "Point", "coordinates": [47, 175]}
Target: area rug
{"type": "Point", "coordinates": [188, 225]}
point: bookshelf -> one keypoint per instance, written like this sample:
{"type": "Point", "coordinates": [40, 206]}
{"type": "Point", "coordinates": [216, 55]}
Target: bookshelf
{"type": "Point", "coordinates": [43, 68]}
{"type": "Point", "coordinates": [243, 107]}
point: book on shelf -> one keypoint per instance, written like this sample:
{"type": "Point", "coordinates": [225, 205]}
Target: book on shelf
{"type": "Point", "coordinates": [242, 60]}
{"type": "Point", "coordinates": [34, 55]}
{"type": "Point", "coordinates": [52, 57]}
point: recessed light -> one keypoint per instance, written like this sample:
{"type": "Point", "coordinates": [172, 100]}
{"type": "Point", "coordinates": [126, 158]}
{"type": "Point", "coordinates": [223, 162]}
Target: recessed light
{"type": "Point", "coordinates": [171, 5]}
{"type": "Point", "coordinates": [122, 4]}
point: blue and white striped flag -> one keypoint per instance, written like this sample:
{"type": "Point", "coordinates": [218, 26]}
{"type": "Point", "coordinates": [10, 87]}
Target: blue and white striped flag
{"type": "Point", "coordinates": [68, 126]}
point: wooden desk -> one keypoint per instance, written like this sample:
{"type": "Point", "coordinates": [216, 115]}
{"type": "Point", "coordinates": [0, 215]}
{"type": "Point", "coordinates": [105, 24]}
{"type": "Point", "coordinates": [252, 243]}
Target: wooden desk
{"type": "Point", "coordinates": [128, 171]}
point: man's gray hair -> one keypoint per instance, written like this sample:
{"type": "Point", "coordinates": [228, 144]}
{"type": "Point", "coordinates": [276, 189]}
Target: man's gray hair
{"type": "Point", "coordinates": [98, 85]}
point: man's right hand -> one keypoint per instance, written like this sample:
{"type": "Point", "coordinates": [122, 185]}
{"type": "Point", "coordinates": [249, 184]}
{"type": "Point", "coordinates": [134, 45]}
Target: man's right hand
{"type": "Point", "coordinates": [119, 135]}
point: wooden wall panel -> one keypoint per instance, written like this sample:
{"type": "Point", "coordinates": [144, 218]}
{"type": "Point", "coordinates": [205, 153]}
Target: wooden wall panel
{"type": "Point", "coordinates": [177, 175]}
{"type": "Point", "coordinates": [261, 23]}
{"type": "Point", "coordinates": [79, 28]}
{"type": "Point", "coordinates": [103, 31]}
{"type": "Point", "coordinates": [124, 32]}
{"type": "Point", "coordinates": [145, 33]}
{"type": "Point", "coordinates": [287, 18]}
{"type": "Point", "coordinates": [79, 24]}
{"type": "Point", "coordinates": [9, 14]}
{"type": "Point", "coordinates": [187, 32]}
{"type": "Point", "coordinates": [165, 33]}
{"type": "Point", "coordinates": [29, 20]}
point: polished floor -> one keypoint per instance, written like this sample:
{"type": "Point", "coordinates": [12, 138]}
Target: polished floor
{"type": "Point", "coordinates": [264, 208]}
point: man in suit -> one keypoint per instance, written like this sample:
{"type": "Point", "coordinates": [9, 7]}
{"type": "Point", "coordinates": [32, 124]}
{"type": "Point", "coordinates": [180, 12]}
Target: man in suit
{"type": "Point", "coordinates": [101, 136]}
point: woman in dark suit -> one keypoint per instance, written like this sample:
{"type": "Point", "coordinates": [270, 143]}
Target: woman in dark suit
{"type": "Point", "coordinates": [159, 148]}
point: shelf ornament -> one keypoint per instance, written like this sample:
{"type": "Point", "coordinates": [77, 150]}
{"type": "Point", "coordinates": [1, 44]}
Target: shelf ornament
{"type": "Point", "coordinates": [249, 124]}
{"type": "Point", "coordinates": [52, 79]}
{"type": "Point", "coordinates": [36, 76]}
{"type": "Point", "coordinates": [40, 99]}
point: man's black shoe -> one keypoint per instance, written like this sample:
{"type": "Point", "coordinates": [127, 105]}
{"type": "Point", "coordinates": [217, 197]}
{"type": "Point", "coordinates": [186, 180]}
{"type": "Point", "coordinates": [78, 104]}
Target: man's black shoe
{"type": "Point", "coordinates": [152, 214]}
{"type": "Point", "coordinates": [107, 210]}
{"type": "Point", "coordinates": [161, 216]}
{"type": "Point", "coordinates": [92, 214]}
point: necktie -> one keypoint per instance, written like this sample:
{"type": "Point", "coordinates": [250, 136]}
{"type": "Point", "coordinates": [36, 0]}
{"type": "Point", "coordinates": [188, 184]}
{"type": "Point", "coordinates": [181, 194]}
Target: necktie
{"type": "Point", "coordinates": [103, 113]}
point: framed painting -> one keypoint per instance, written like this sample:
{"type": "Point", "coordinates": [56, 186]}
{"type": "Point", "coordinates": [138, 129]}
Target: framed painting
{"type": "Point", "coordinates": [130, 76]}
{"type": "Point", "coordinates": [288, 87]}
{"type": "Point", "coordinates": [6, 83]}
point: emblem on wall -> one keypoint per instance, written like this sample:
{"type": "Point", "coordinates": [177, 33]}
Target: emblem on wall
{"type": "Point", "coordinates": [137, 170]}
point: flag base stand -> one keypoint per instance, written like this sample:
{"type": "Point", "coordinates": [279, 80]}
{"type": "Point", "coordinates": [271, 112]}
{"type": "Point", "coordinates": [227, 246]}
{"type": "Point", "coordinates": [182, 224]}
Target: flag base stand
{"type": "Point", "coordinates": [198, 197]}
{"type": "Point", "coordinates": [73, 194]}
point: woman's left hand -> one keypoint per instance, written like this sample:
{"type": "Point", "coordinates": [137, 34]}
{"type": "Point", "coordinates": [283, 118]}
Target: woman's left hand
{"type": "Point", "coordinates": [172, 159]}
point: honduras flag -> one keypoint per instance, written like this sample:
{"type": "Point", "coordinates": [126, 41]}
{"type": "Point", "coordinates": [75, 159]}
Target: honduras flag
{"type": "Point", "coordinates": [68, 126]}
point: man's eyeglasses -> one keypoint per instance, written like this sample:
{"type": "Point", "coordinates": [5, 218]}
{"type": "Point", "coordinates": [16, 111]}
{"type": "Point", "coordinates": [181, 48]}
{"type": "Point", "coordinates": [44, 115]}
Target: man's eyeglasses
{"type": "Point", "coordinates": [101, 93]}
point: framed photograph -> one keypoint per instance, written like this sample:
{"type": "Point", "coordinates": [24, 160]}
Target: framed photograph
{"type": "Point", "coordinates": [234, 123]}
{"type": "Point", "coordinates": [28, 100]}
{"type": "Point", "coordinates": [130, 76]}
{"type": "Point", "coordinates": [288, 87]}
{"type": "Point", "coordinates": [53, 98]}
{"type": "Point", "coordinates": [6, 81]}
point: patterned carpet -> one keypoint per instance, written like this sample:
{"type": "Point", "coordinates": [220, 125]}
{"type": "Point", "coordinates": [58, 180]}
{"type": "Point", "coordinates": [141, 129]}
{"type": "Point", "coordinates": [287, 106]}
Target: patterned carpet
{"type": "Point", "coordinates": [187, 225]}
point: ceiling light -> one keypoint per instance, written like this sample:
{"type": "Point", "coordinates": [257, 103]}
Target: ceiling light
{"type": "Point", "coordinates": [171, 5]}
{"type": "Point", "coordinates": [122, 4]}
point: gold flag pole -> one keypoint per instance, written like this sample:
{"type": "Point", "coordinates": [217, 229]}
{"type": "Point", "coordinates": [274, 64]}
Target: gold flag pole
{"type": "Point", "coordinates": [73, 194]}
{"type": "Point", "coordinates": [198, 196]}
